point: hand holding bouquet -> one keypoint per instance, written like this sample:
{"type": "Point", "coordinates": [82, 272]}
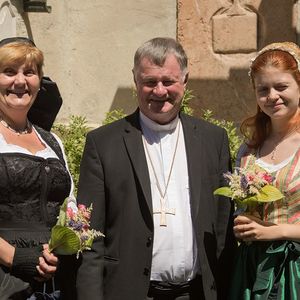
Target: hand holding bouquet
{"type": "Point", "coordinates": [72, 233]}
{"type": "Point", "coordinates": [249, 186]}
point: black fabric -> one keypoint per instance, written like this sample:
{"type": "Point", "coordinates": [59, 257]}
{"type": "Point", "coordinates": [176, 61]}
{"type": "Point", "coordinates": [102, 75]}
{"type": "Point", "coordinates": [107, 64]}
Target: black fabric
{"type": "Point", "coordinates": [192, 290]}
{"type": "Point", "coordinates": [50, 140]}
{"type": "Point", "coordinates": [25, 262]}
{"type": "Point", "coordinates": [10, 285]}
{"type": "Point", "coordinates": [32, 190]}
{"type": "Point", "coordinates": [46, 105]}
{"type": "Point", "coordinates": [18, 39]}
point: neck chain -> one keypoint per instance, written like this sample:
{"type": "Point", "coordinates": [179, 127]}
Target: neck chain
{"type": "Point", "coordinates": [163, 211]}
{"type": "Point", "coordinates": [26, 130]}
{"type": "Point", "coordinates": [289, 133]}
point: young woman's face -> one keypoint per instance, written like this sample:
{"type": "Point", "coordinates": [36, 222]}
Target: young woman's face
{"type": "Point", "coordinates": [19, 85]}
{"type": "Point", "coordinates": [277, 93]}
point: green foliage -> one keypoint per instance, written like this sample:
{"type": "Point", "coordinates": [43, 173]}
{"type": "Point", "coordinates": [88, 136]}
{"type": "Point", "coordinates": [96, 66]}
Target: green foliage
{"type": "Point", "coordinates": [64, 240]}
{"type": "Point", "coordinates": [113, 115]}
{"type": "Point", "coordinates": [234, 139]}
{"type": "Point", "coordinates": [185, 105]}
{"type": "Point", "coordinates": [267, 193]}
{"type": "Point", "coordinates": [73, 138]}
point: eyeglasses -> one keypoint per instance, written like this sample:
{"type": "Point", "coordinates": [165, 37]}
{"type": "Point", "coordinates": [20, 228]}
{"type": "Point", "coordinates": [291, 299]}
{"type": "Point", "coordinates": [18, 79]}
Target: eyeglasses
{"type": "Point", "coordinates": [20, 39]}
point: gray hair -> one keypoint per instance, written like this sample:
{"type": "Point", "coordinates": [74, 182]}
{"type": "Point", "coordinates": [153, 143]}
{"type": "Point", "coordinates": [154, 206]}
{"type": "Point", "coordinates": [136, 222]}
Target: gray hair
{"type": "Point", "coordinates": [157, 50]}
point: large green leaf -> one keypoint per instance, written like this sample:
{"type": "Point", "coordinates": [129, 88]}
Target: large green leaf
{"type": "Point", "coordinates": [64, 241]}
{"type": "Point", "coordinates": [62, 213]}
{"type": "Point", "coordinates": [269, 193]}
{"type": "Point", "coordinates": [223, 191]}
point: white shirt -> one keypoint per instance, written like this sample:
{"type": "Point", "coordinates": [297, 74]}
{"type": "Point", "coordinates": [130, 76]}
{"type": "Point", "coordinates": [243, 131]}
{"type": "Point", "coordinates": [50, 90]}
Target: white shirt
{"type": "Point", "coordinates": [174, 247]}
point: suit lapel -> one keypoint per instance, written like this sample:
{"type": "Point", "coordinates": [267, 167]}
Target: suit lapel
{"type": "Point", "coordinates": [134, 146]}
{"type": "Point", "coordinates": [194, 152]}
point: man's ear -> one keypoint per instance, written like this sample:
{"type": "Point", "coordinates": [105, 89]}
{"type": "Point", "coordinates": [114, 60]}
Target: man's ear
{"type": "Point", "coordinates": [186, 77]}
{"type": "Point", "coordinates": [133, 76]}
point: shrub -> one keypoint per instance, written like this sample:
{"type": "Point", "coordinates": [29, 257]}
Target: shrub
{"type": "Point", "coordinates": [187, 97]}
{"type": "Point", "coordinates": [73, 137]}
{"type": "Point", "coordinates": [114, 115]}
{"type": "Point", "coordinates": [234, 139]}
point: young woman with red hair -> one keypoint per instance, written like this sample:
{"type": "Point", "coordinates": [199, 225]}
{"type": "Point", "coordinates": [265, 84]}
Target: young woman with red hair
{"type": "Point", "coordinates": [267, 266]}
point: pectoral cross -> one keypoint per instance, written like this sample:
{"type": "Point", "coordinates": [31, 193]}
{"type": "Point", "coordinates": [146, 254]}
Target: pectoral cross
{"type": "Point", "coordinates": [164, 211]}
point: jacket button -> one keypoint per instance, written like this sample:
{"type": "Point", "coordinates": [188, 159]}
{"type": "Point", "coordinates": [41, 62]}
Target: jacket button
{"type": "Point", "coordinates": [146, 271]}
{"type": "Point", "coordinates": [47, 169]}
{"type": "Point", "coordinates": [149, 241]}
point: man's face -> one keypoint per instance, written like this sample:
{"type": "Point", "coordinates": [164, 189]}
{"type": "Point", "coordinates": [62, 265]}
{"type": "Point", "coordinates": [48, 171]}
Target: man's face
{"type": "Point", "coordinates": [160, 89]}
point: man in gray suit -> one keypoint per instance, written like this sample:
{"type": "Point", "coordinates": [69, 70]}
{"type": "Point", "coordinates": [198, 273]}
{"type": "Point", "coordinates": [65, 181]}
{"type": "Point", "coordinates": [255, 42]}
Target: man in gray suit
{"type": "Point", "coordinates": [151, 178]}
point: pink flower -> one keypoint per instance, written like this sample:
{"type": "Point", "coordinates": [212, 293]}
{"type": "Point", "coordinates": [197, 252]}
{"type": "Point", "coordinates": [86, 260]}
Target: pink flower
{"type": "Point", "coordinates": [86, 215]}
{"type": "Point", "coordinates": [86, 227]}
{"type": "Point", "coordinates": [70, 213]}
{"type": "Point", "coordinates": [81, 207]}
{"type": "Point", "coordinates": [250, 177]}
{"type": "Point", "coordinates": [268, 178]}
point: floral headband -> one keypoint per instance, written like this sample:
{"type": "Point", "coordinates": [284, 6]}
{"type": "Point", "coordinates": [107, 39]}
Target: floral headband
{"type": "Point", "coordinates": [288, 47]}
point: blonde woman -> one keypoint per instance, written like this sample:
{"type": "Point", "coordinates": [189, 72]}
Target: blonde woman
{"type": "Point", "coordinates": [34, 177]}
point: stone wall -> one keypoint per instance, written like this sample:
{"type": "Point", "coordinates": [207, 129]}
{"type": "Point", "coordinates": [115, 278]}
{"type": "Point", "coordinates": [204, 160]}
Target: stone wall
{"type": "Point", "coordinates": [220, 37]}
{"type": "Point", "coordinates": [89, 47]}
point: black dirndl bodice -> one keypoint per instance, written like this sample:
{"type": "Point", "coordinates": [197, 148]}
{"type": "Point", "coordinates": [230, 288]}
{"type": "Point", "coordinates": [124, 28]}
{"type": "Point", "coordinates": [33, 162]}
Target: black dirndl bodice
{"type": "Point", "coordinates": [32, 189]}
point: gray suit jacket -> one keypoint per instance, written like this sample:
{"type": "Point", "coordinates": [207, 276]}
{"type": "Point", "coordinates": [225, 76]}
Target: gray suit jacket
{"type": "Point", "coordinates": [114, 177]}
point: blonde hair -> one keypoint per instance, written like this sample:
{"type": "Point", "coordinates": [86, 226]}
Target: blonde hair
{"type": "Point", "coordinates": [20, 52]}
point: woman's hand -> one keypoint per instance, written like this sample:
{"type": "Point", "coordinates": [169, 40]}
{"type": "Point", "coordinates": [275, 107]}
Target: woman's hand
{"type": "Point", "coordinates": [249, 228]}
{"type": "Point", "coordinates": [47, 264]}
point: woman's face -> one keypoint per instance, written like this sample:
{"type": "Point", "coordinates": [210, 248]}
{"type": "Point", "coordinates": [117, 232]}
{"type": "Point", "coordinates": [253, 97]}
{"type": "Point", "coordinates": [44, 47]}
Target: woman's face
{"type": "Point", "coordinates": [19, 85]}
{"type": "Point", "coordinates": [277, 93]}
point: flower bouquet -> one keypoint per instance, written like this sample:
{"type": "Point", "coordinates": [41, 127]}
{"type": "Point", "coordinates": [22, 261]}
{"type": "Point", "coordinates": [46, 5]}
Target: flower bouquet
{"type": "Point", "coordinates": [72, 233]}
{"type": "Point", "coordinates": [248, 187]}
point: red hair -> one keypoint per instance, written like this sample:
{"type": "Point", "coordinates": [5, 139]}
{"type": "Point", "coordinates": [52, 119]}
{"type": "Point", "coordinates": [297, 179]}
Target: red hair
{"type": "Point", "coordinates": [257, 128]}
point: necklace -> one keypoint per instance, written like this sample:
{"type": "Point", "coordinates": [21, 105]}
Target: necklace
{"type": "Point", "coordinates": [289, 133]}
{"type": "Point", "coordinates": [26, 130]}
{"type": "Point", "coordinates": [163, 210]}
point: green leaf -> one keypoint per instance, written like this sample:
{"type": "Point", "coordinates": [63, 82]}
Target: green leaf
{"type": "Point", "coordinates": [269, 193]}
{"type": "Point", "coordinates": [223, 191]}
{"type": "Point", "coordinates": [62, 213]}
{"type": "Point", "coordinates": [64, 241]}
{"type": "Point", "coordinates": [89, 242]}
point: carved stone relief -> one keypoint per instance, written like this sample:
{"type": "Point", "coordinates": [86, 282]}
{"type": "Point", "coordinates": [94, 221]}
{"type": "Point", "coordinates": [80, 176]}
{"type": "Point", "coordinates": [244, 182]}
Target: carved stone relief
{"type": "Point", "coordinates": [234, 30]}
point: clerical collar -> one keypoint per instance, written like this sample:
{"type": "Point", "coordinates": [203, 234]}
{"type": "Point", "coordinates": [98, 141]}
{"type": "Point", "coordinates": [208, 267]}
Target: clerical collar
{"type": "Point", "coordinates": [158, 127]}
